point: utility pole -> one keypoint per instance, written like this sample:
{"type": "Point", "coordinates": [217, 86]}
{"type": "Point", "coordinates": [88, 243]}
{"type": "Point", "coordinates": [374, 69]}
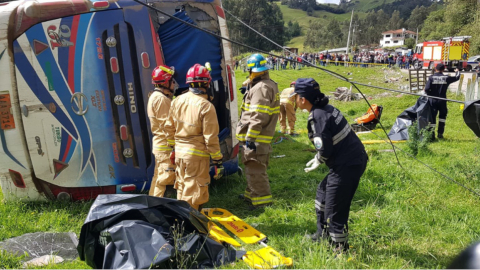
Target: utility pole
{"type": "Point", "coordinates": [416, 40]}
{"type": "Point", "coordinates": [349, 30]}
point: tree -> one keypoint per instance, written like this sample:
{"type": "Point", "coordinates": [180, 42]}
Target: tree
{"type": "Point", "coordinates": [264, 16]}
{"type": "Point", "coordinates": [410, 43]}
{"type": "Point", "coordinates": [395, 21]}
{"type": "Point", "coordinates": [457, 18]}
{"type": "Point", "coordinates": [418, 17]}
{"type": "Point", "coordinates": [293, 29]}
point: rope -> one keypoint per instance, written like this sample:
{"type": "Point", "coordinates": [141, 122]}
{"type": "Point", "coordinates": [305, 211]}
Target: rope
{"type": "Point", "coordinates": [338, 76]}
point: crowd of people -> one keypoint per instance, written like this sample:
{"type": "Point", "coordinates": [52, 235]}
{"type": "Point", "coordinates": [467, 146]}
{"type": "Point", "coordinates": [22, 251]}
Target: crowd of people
{"type": "Point", "coordinates": [358, 59]}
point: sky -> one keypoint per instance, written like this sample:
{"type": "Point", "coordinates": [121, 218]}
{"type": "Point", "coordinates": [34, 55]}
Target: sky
{"type": "Point", "coordinates": [328, 1]}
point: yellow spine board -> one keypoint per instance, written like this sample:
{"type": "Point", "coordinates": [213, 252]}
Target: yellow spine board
{"type": "Point", "coordinates": [380, 141]}
{"type": "Point", "coordinates": [219, 235]}
{"type": "Point", "coordinates": [235, 225]}
{"type": "Point", "coordinates": [266, 258]}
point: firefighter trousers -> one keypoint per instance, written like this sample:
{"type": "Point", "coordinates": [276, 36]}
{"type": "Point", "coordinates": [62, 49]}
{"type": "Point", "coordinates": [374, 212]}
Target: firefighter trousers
{"type": "Point", "coordinates": [439, 107]}
{"type": "Point", "coordinates": [334, 197]}
{"type": "Point", "coordinates": [163, 176]}
{"type": "Point", "coordinates": [256, 162]}
{"type": "Point", "coordinates": [192, 181]}
{"type": "Point", "coordinates": [287, 112]}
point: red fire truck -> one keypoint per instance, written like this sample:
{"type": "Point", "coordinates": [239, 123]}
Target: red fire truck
{"type": "Point", "coordinates": [451, 51]}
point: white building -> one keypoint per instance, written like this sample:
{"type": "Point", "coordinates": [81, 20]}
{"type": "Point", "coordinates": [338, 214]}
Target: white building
{"type": "Point", "coordinates": [394, 38]}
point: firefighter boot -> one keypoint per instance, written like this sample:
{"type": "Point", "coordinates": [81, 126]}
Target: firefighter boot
{"type": "Point", "coordinates": [441, 128]}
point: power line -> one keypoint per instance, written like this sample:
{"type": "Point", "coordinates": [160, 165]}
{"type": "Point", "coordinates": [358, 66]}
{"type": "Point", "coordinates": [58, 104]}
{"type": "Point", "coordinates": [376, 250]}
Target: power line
{"type": "Point", "coordinates": [428, 166]}
{"type": "Point", "coordinates": [338, 76]}
{"type": "Point", "coordinates": [306, 63]}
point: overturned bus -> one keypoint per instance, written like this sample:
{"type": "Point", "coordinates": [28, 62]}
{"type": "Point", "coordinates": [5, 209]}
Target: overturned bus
{"type": "Point", "coordinates": [76, 77]}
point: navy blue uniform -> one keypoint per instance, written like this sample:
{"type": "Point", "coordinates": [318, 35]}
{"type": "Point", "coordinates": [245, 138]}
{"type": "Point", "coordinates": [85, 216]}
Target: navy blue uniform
{"type": "Point", "coordinates": [343, 152]}
{"type": "Point", "coordinates": [437, 86]}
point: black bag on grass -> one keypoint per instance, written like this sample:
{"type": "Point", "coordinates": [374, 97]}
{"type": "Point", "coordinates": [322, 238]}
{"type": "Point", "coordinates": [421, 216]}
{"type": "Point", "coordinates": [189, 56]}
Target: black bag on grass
{"type": "Point", "coordinates": [420, 112]}
{"type": "Point", "coordinates": [139, 231]}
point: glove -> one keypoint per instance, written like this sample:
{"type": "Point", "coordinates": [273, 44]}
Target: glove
{"type": "Point", "coordinates": [243, 89]}
{"type": "Point", "coordinates": [312, 165]}
{"type": "Point", "coordinates": [251, 145]}
{"type": "Point", "coordinates": [172, 157]}
{"type": "Point", "coordinates": [219, 170]}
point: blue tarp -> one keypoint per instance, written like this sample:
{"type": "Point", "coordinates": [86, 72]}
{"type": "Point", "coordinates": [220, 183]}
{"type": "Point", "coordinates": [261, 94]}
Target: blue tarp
{"type": "Point", "coordinates": [184, 46]}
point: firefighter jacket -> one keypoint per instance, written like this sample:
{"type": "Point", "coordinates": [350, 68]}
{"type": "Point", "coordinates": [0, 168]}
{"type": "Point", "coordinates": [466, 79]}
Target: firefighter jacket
{"type": "Point", "coordinates": [438, 83]}
{"type": "Point", "coordinates": [333, 138]}
{"type": "Point", "coordinates": [193, 127]}
{"type": "Point", "coordinates": [260, 109]}
{"type": "Point", "coordinates": [286, 99]}
{"type": "Point", "coordinates": [157, 109]}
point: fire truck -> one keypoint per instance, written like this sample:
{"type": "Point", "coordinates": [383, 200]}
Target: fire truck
{"type": "Point", "coordinates": [453, 52]}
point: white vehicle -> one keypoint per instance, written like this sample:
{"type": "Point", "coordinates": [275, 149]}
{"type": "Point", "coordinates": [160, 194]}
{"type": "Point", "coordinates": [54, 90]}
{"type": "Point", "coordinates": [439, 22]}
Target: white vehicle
{"type": "Point", "coordinates": [473, 62]}
{"type": "Point", "coordinates": [76, 76]}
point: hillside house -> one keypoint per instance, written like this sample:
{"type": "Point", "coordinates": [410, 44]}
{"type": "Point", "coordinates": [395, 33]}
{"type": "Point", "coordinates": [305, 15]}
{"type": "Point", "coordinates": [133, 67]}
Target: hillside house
{"type": "Point", "coordinates": [394, 38]}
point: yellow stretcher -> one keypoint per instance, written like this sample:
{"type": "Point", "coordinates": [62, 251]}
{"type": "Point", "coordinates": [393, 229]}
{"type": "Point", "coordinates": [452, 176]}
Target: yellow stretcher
{"type": "Point", "coordinates": [264, 258]}
{"type": "Point", "coordinates": [235, 225]}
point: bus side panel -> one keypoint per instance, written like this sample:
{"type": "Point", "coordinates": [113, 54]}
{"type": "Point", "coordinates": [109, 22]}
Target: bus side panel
{"type": "Point", "coordinates": [148, 44]}
{"type": "Point", "coordinates": [227, 52]}
{"type": "Point", "coordinates": [73, 85]}
{"type": "Point", "coordinates": [14, 155]}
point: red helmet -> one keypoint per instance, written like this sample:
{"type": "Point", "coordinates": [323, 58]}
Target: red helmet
{"type": "Point", "coordinates": [162, 74]}
{"type": "Point", "coordinates": [198, 74]}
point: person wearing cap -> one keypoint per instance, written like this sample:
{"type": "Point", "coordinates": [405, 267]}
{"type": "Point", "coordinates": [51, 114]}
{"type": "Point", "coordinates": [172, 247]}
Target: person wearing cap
{"type": "Point", "coordinates": [288, 108]}
{"type": "Point", "coordinates": [437, 86]}
{"type": "Point", "coordinates": [255, 130]}
{"type": "Point", "coordinates": [344, 154]}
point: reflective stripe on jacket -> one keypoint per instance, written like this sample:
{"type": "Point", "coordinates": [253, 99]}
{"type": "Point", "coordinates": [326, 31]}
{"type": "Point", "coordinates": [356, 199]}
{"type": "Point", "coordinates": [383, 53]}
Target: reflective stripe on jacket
{"type": "Point", "coordinates": [157, 109]}
{"type": "Point", "coordinates": [337, 144]}
{"type": "Point", "coordinates": [260, 109]}
{"type": "Point", "coordinates": [193, 128]}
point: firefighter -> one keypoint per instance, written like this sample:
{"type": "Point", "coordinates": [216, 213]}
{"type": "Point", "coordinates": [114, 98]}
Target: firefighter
{"type": "Point", "coordinates": [255, 130]}
{"type": "Point", "coordinates": [158, 107]}
{"type": "Point", "coordinates": [288, 108]}
{"type": "Point", "coordinates": [192, 129]}
{"type": "Point", "coordinates": [437, 86]}
{"type": "Point", "coordinates": [342, 151]}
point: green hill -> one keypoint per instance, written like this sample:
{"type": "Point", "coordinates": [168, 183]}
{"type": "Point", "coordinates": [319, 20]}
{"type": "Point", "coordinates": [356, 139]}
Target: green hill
{"type": "Point", "coordinates": [361, 8]}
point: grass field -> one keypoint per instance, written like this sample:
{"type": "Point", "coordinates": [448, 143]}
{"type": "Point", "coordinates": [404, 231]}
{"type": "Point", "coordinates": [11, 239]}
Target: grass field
{"type": "Point", "coordinates": [401, 217]}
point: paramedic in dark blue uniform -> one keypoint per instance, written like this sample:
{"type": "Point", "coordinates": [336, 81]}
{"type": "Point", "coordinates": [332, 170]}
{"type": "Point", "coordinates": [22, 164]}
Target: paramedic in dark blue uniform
{"type": "Point", "coordinates": [437, 86]}
{"type": "Point", "coordinates": [342, 151]}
